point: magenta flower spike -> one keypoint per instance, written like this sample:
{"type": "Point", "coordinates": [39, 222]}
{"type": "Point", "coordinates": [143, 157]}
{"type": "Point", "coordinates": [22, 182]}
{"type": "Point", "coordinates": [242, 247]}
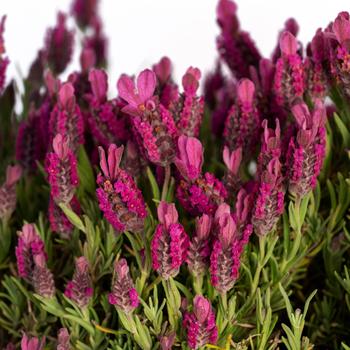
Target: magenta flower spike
{"type": "Point", "coordinates": [29, 246]}
{"type": "Point", "coordinates": [235, 46]}
{"type": "Point", "coordinates": [84, 12]}
{"type": "Point", "coordinates": [269, 204]}
{"type": "Point", "coordinates": [227, 249]}
{"type": "Point", "coordinates": [43, 281]}
{"type": "Point", "coordinates": [8, 191]}
{"type": "Point", "coordinates": [104, 124]}
{"type": "Point", "coordinates": [307, 150]}
{"type": "Point", "coordinates": [242, 122]}
{"type": "Point", "coordinates": [197, 193]}
{"type": "Point", "coordinates": [32, 343]}
{"type": "Point", "coordinates": [153, 124]}
{"type": "Point", "coordinates": [232, 161]}
{"type": "Point", "coordinates": [79, 289]}
{"type": "Point", "coordinates": [66, 117]}
{"type": "Point", "coordinates": [169, 246]}
{"type": "Point", "coordinates": [200, 324]}
{"type": "Point", "coordinates": [4, 61]}
{"type": "Point", "coordinates": [61, 167]}
{"type": "Point", "coordinates": [63, 340]}
{"type": "Point", "coordinates": [189, 108]}
{"type": "Point", "coordinates": [289, 82]}
{"type": "Point", "coordinates": [199, 251]}
{"type": "Point", "coordinates": [124, 295]}
{"type": "Point", "coordinates": [119, 198]}
{"type": "Point", "coordinates": [59, 43]}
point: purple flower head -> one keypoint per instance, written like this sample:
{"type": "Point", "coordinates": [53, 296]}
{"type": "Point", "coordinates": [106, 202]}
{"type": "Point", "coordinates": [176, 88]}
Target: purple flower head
{"type": "Point", "coordinates": [79, 289]}
{"type": "Point", "coordinates": [29, 245]}
{"type": "Point", "coordinates": [242, 122]}
{"type": "Point", "coordinates": [341, 29]}
{"type": "Point", "coordinates": [190, 159]}
{"type": "Point", "coordinates": [199, 251]}
{"type": "Point", "coordinates": [306, 151]}
{"type": "Point", "coordinates": [32, 343]}
{"type": "Point", "coordinates": [59, 43]}
{"type": "Point", "coordinates": [43, 281]}
{"type": "Point", "coordinates": [63, 339]}
{"type": "Point", "coordinates": [66, 117]}
{"type": "Point", "coordinates": [170, 242]}
{"type": "Point", "coordinates": [124, 295]}
{"type": "Point", "coordinates": [4, 61]}
{"type": "Point", "coordinates": [153, 124]}
{"type": "Point", "coordinates": [269, 204]}
{"type": "Point", "coordinates": [8, 191]}
{"type": "Point", "coordinates": [289, 82]}
{"type": "Point", "coordinates": [87, 59]}
{"type": "Point", "coordinates": [119, 198]}
{"type": "Point", "coordinates": [84, 12]}
{"type": "Point", "coordinates": [61, 167]}
{"type": "Point", "coordinates": [200, 324]}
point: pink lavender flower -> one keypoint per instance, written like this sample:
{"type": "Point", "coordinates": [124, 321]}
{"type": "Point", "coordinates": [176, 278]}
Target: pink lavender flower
{"type": "Point", "coordinates": [79, 289]}
{"type": "Point", "coordinates": [29, 245]}
{"type": "Point", "coordinates": [43, 281]}
{"type": "Point", "coordinates": [167, 90]}
{"type": "Point", "coordinates": [235, 46]}
{"type": "Point", "coordinates": [200, 324]}
{"type": "Point", "coordinates": [269, 203]}
{"type": "Point", "coordinates": [124, 295]}
{"type": "Point", "coordinates": [66, 118]}
{"type": "Point", "coordinates": [104, 124]}
{"type": "Point", "coordinates": [199, 251]}
{"type": "Point", "coordinates": [242, 122]}
{"type": "Point", "coordinates": [289, 82]}
{"type": "Point", "coordinates": [152, 122]}
{"type": "Point", "coordinates": [84, 12]}
{"type": "Point", "coordinates": [119, 198]}
{"type": "Point", "coordinates": [63, 340]}
{"type": "Point", "coordinates": [189, 108]}
{"type": "Point", "coordinates": [227, 249]}
{"type": "Point", "coordinates": [170, 242]}
{"type": "Point", "coordinates": [197, 193]}
{"type": "Point", "coordinates": [32, 343]}
{"type": "Point", "coordinates": [4, 61]}
{"type": "Point", "coordinates": [306, 151]}
{"type": "Point", "coordinates": [232, 161]}
{"type": "Point", "coordinates": [8, 192]}
{"type": "Point", "coordinates": [61, 167]}
{"type": "Point", "coordinates": [59, 45]}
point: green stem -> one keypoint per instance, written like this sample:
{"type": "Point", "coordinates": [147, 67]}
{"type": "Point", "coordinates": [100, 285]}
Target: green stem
{"type": "Point", "coordinates": [261, 258]}
{"type": "Point", "coordinates": [197, 283]}
{"type": "Point", "coordinates": [166, 182]}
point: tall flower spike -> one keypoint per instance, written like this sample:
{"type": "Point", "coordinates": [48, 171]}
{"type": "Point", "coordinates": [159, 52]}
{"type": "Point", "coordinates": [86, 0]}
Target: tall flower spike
{"type": "Point", "coordinates": [269, 204]}
{"type": "Point", "coordinates": [84, 12]}
{"type": "Point", "coordinates": [199, 251]}
{"type": "Point", "coordinates": [104, 124]}
{"type": "Point", "coordinates": [200, 324]}
{"type": "Point", "coordinates": [197, 193]}
{"type": "Point", "coordinates": [29, 245]}
{"type": "Point", "coordinates": [66, 117]}
{"type": "Point", "coordinates": [79, 289]}
{"type": "Point", "coordinates": [189, 108]}
{"type": "Point", "coordinates": [119, 198]}
{"type": "Point", "coordinates": [153, 123]}
{"type": "Point", "coordinates": [4, 61]}
{"type": "Point", "coordinates": [235, 46]}
{"type": "Point", "coordinates": [289, 82]}
{"type": "Point", "coordinates": [124, 295]}
{"type": "Point", "coordinates": [32, 343]}
{"type": "Point", "coordinates": [43, 281]}
{"type": "Point", "coordinates": [306, 151]}
{"type": "Point", "coordinates": [232, 161]}
{"type": "Point", "coordinates": [59, 45]}
{"type": "Point", "coordinates": [226, 253]}
{"type": "Point", "coordinates": [61, 167]}
{"type": "Point", "coordinates": [170, 242]}
{"type": "Point", "coordinates": [63, 339]}
{"type": "Point", "coordinates": [8, 192]}
{"type": "Point", "coordinates": [242, 122]}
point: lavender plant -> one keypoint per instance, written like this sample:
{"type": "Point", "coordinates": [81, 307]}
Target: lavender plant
{"type": "Point", "coordinates": [208, 216]}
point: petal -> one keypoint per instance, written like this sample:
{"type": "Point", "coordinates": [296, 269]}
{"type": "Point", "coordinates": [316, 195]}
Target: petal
{"type": "Point", "coordinates": [146, 84]}
{"type": "Point", "coordinates": [341, 27]}
{"type": "Point", "coordinates": [288, 43]}
{"type": "Point", "coordinates": [127, 90]}
{"type": "Point", "coordinates": [99, 84]}
{"type": "Point", "coordinates": [103, 161]}
{"type": "Point", "coordinates": [245, 90]}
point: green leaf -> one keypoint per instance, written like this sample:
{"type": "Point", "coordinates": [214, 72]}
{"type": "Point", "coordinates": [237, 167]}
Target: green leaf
{"type": "Point", "coordinates": [343, 130]}
{"type": "Point", "coordinates": [154, 185]}
{"type": "Point", "coordinates": [85, 172]}
{"type": "Point", "coordinates": [72, 217]}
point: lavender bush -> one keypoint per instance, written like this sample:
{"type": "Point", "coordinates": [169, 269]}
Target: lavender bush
{"type": "Point", "coordinates": [211, 214]}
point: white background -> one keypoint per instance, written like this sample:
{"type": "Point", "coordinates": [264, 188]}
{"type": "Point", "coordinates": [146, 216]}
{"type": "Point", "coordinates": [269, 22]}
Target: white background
{"type": "Point", "coordinates": [141, 31]}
